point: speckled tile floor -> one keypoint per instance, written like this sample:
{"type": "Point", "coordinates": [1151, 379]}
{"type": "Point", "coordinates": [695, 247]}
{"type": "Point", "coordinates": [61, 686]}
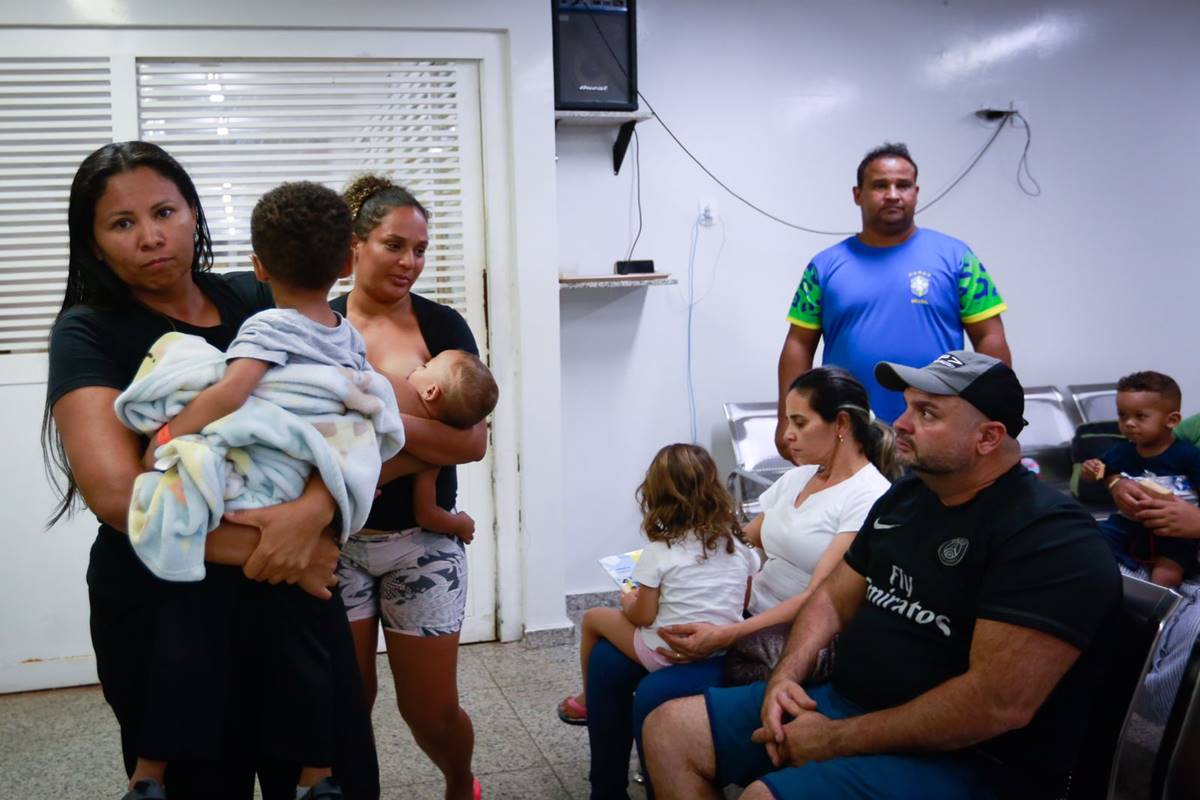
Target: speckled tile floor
{"type": "Point", "coordinates": [63, 744]}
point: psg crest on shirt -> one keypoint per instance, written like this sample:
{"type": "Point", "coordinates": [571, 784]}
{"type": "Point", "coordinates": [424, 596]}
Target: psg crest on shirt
{"type": "Point", "coordinates": [952, 551]}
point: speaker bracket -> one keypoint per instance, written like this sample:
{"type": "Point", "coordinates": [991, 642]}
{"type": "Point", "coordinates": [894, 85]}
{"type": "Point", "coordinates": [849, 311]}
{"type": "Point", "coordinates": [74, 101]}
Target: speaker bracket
{"type": "Point", "coordinates": [626, 120]}
{"type": "Point", "coordinates": [624, 134]}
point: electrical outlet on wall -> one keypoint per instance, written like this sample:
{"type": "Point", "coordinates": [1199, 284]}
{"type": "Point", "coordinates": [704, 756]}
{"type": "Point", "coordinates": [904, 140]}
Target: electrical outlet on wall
{"type": "Point", "coordinates": [1017, 104]}
{"type": "Point", "coordinates": [707, 212]}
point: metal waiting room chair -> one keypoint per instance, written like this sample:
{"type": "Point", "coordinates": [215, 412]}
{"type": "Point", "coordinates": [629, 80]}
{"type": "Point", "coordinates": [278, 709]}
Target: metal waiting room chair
{"type": "Point", "coordinates": [1094, 402]}
{"type": "Point", "coordinates": [1047, 437]}
{"type": "Point", "coordinates": [758, 465]}
{"type": "Point", "coordinates": [1106, 752]}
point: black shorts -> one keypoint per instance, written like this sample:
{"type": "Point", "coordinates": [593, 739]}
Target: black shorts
{"type": "Point", "coordinates": [1146, 547]}
{"type": "Point", "coordinates": [145, 662]}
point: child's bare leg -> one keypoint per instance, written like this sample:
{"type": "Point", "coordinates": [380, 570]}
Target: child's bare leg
{"type": "Point", "coordinates": [603, 623]}
{"type": "Point", "coordinates": [148, 769]}
{"type": "Point", "coordinates": [1166, 572]}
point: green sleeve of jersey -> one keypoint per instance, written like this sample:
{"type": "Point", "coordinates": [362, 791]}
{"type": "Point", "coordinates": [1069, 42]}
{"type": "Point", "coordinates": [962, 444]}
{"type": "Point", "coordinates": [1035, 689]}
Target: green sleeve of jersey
{"type": "Point", "coordinates": [806, 303]}
{"type": "Point", "coordinates": [1189, 430]}
{"type": "Point", "coordinates": [978, 298]}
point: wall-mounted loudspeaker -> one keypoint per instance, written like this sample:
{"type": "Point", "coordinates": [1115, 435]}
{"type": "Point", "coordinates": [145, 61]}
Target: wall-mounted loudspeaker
{"type": "Point", "coordinates": [595, 58]}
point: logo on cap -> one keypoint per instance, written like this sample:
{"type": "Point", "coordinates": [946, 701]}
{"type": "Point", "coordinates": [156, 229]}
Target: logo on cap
{"type": "Point", "coordinates": [951, 361]}
{"type": "Point", "coordinates": [952, 552]}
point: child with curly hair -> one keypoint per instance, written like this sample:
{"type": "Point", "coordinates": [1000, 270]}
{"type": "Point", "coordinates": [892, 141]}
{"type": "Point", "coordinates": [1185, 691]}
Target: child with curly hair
{"type": "Point", "coordinates": [694, 568]}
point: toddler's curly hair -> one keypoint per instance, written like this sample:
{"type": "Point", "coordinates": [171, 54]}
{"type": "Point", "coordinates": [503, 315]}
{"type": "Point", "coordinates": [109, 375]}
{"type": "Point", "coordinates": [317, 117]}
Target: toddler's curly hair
{"type": "Point", "coordinates": [301, 234]}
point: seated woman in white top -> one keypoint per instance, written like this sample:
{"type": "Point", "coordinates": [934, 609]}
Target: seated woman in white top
{"type": "Point", "coordinates": [809, 517]}
{"type": "Point", "coordinates": [811, 514]}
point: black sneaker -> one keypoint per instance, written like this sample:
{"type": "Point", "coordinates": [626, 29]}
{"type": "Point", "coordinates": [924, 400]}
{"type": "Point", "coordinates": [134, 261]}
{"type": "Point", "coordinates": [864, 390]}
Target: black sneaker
{"type": "Point", "coordinates": [149, 789]}
{"type": "Point", "coordinates": [326, 789]}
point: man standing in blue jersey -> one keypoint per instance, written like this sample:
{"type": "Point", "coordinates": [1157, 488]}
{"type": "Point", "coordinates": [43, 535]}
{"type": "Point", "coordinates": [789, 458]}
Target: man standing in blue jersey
{"type": "Point", "coordinates": [894, 292]}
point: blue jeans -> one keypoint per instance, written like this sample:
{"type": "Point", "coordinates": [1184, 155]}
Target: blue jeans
{"type": "Point", "coordinates": [620, 695]}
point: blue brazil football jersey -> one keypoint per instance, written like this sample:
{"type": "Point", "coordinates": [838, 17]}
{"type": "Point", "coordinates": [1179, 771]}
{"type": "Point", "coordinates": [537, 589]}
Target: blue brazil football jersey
{"type": "Point", "coordinates": [906, 304]}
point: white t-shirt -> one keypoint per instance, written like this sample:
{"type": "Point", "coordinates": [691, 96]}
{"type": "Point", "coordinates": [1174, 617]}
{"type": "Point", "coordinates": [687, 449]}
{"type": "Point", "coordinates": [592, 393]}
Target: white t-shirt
{"type": "Point", "coordinates": [795, 538]}
{"type": "Point", "coordinates": [692, 588]}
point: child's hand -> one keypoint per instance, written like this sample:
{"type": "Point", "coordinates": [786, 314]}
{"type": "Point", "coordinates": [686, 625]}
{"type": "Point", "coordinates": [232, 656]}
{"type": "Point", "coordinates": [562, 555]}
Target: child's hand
{"type": "Point", "coordinates": [1092, 469]}
{"type": "Point", "coordinates": [464, 526]}
{"type": "Point", "coordinates": [148, 458]}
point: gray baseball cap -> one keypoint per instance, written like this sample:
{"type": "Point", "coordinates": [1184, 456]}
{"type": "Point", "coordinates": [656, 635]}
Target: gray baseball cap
{"type": "Point", "coordinates": [985, 382]}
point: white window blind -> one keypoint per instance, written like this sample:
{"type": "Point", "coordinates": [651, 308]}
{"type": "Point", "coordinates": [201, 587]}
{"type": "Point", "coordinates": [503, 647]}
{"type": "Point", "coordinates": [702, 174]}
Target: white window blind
{"type": "Point", "coordinates": [241, 127]}
{"type": "Point", "coordinates": [53, 112]}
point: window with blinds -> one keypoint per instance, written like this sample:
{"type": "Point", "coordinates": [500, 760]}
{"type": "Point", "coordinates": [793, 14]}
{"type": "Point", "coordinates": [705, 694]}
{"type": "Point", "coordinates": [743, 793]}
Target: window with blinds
{"type": "Point", "coordinates": [53, 112]}
{"type": "Point", "coordinates": [241, 127]}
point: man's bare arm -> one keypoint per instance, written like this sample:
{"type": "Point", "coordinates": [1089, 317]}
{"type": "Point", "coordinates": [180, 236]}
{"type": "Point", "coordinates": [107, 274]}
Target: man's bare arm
{"type": "Point", "coordinates": [987, 337]}
{"type": "Point", "coordinates": [827, 611]}
{"type": "Point", "coordinates": [1012, 672]}
{"type": "Point", "coordinates": [799, 349]}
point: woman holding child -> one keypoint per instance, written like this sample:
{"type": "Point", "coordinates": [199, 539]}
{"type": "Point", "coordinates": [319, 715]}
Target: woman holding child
{"type": "Point", "coordinates": [411, 579]}
{"type": "Point", "coordinates": [138, 268]}
{"type": "Point", "coordinates": [810, 516]}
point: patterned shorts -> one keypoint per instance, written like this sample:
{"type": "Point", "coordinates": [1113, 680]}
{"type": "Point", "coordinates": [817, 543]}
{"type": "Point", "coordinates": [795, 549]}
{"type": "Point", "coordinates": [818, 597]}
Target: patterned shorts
{"type": "Point", "coordinates": [414, 580]}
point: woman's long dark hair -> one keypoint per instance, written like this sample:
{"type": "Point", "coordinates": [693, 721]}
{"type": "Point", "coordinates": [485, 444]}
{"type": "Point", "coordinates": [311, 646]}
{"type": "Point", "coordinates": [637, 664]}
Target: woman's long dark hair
{"type": "Point", "coordinates": [90, 282]}
{"type": "Point", "coordinates": [830, 390]}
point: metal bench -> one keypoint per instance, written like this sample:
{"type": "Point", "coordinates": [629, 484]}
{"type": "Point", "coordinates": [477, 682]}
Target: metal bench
{"type": "Point", "coordinates": [758, 465]}
{"type": "Point", "coordinates": [1094, 402]}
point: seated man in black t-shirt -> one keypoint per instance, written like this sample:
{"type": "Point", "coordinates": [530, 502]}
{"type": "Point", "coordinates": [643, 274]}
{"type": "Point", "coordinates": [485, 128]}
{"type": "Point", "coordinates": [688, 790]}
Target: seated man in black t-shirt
{"type": "Point", "coordinates": [969, 612]}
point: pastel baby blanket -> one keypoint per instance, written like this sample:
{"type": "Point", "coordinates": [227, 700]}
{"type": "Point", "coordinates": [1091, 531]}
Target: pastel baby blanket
{"type": "Point", "coordinates": [342, 422]}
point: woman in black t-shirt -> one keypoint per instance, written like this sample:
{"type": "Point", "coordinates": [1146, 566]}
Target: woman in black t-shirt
{"type": "Point", "coordinates": [139, 259]}
{"type": "Point", "coordinates": [414, 581]}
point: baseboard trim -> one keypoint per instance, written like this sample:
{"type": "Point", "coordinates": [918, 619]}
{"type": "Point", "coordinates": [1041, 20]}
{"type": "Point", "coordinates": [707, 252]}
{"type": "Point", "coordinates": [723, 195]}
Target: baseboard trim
{"type": "Point", "coordinates": [576, 605]}
{"type": "Point", "coordinates": [549, 637]}
{"type": "Point", "coordinates": [54, 673]}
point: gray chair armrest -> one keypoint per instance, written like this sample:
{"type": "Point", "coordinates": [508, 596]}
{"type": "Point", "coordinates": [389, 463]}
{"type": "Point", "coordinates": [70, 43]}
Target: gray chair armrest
{"type": "Point", "coordinates": [753, 477]}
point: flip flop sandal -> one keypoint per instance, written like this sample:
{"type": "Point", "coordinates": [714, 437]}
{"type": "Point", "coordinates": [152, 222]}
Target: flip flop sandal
{"type": "Point", "coordinates": [570, 712]}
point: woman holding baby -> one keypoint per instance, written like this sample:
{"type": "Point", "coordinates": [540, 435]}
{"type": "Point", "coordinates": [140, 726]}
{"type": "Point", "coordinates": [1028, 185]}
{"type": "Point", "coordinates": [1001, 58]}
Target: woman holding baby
{"type": "Point", "coordinates": [412, 580]}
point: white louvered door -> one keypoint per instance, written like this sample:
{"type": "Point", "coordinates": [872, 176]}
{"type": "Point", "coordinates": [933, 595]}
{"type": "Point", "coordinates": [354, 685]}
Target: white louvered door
{"type": "Point", "coordinates": [53, 112]}
{"type": "Point", "coordinates": [241, 127]}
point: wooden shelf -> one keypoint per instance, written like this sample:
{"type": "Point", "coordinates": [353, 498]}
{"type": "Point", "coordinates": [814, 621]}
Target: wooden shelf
{"type": "Point", "coordinates": [616, 281]}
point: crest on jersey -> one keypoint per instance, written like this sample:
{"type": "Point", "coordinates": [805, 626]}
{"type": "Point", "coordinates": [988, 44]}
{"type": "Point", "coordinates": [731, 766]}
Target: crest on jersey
{"type": "Point", "coordinates": [951, 552]}
{"type": "Point", "coordinates": [918, 283]}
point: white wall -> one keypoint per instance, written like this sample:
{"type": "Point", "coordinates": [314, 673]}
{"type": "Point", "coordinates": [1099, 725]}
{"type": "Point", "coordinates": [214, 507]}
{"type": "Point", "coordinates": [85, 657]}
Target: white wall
{"type": "Point", "coordinates": [43, 613]}
{"type": "Point", "coordinates": [781, 100]}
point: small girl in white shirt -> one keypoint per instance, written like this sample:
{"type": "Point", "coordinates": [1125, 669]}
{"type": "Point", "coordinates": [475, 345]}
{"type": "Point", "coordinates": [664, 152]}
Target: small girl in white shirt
{"type": "Point", "coordinates": [694, 568]}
